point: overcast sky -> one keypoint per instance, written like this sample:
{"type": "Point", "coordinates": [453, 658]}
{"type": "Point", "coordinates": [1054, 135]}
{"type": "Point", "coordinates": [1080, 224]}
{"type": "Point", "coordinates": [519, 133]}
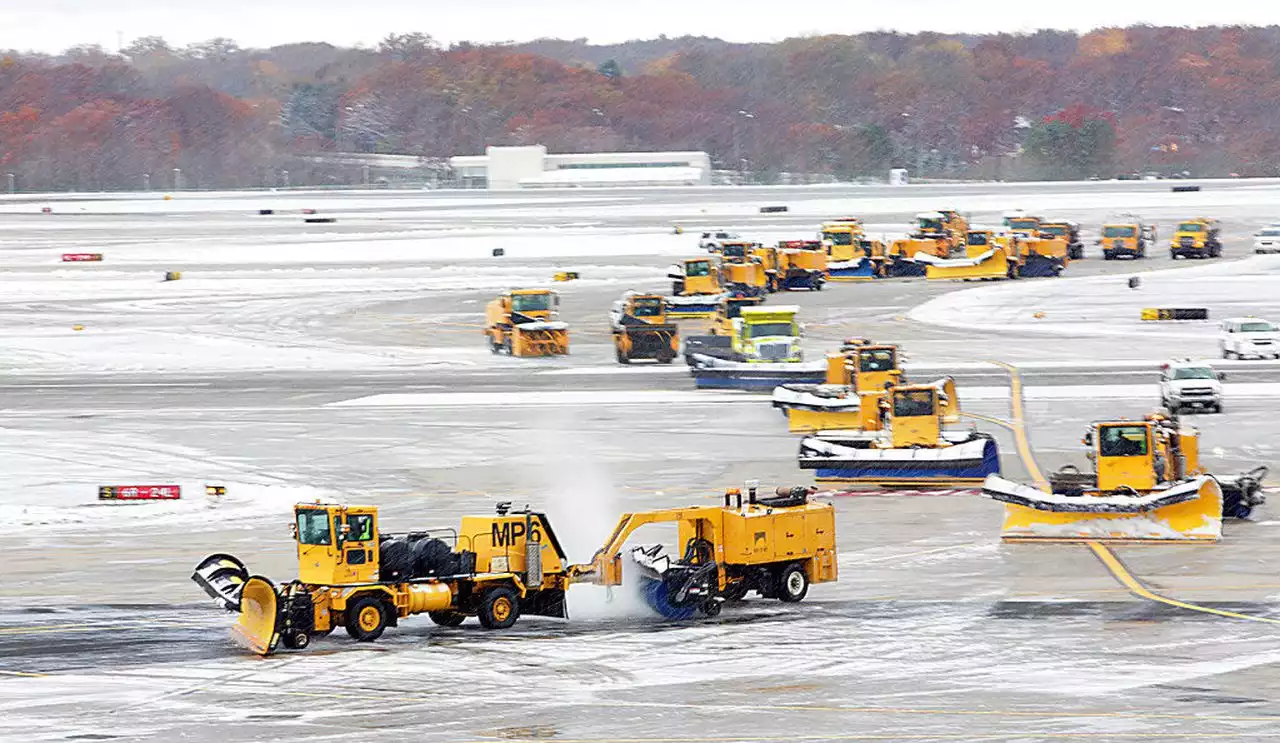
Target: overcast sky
{"type": "Point", "coordinates": [52, 25]}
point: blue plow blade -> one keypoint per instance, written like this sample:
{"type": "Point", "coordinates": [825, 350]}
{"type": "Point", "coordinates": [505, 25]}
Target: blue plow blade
{"type": "Point", "coordinates": [1036, 267]}
{"type": "Point", "coordinates": [656, 596]}
{"type": "Point", "coordinates": [864, 270]}
{"type": "Point", "coordinates": [912, 471]}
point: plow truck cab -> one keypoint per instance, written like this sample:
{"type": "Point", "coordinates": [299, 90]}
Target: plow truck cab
{"type": "Point", "coordinates": [695, 288]}
{"type": "Point", "coordinates": [718, 340]}
{"type": "Point", "coordinates": [1147, 485]}
{"type": "Point", "coordinates": [1196, 238]}
{"type": "Point", "coordinates": [743, 270]}
{"type": "Point", "coordinates": [1125, 237]}
{"type": "Point", "coordinates": [523, 322]}
{"type": "Point", "coordinates": [802, 264]}
{"type": "Point", "coordinates": [1068, 232]}
{"type": "Point", "coordinates": [641, 331]}
{"type": "Point", "coordinates": [856, 378]}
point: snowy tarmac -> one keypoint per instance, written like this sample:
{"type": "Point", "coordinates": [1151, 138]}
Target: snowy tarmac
{"type": "Point", "coordinates": [297, 361]}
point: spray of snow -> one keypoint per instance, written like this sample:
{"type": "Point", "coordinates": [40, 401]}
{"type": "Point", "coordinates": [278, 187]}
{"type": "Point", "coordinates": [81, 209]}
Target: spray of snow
{"type": "Point", "coordinates": [583, 506]}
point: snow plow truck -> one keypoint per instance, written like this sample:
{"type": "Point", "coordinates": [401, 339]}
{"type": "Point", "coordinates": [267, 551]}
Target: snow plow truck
{"type": "Point", "coordinates": [523, 322]}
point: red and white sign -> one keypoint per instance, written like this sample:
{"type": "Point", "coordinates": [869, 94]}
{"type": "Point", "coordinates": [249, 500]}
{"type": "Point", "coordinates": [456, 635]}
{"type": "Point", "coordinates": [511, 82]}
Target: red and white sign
{"type": "Point", "coordinates": [76, 257]}
{"type": "Point", "coordinates": [139, 492]}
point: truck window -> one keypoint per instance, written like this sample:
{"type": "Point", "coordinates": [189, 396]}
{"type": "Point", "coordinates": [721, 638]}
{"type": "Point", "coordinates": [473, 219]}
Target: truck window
{"type": "Point", "coordinates": [1257, 327]}
{"type": "Point", "coordinates": [313, 527]}
{"type": "Point", "coordinates": [360, 528]}
{"type": "Point", "coordinates": [697, 268]}
{"type": "Point", "coordinates": [531, 302]}
{"type": "Point", "coordinates": [912, 403]}
{"type": "Point", "coordinates": [977, 238]}
{"type": "Point", "coordinates": [876, 361]}
{"type": "Point", "coordinates": [838, 238]}
{"type": "Point", "coordinates": [765, 329]}
{"type": "Point", "coordinates": [1118, 231]}
{"type": "Point", "coordinates": [1023, 224]}
{"type": "Point", "coordinates": [1190, 227]}
{"type": "Point", "coordinates": [731, 251]}
{"type": "Point", "coordinates": [1053, 230]}
{"type": "Point", "coordinates": [1193, 373]}
{"type": "Point", "coordinates": [931, 225]}
{"type": "Point", "coordinates": [647, 307]}
{"type": "Point", "coordinates": [1123, 441]}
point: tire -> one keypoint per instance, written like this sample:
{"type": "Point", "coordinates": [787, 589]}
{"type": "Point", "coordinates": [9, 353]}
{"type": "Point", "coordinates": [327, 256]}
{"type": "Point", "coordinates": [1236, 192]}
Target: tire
{"type": "Point", "coordinates": [295, 640]}
{"type": "Point", "coordinates": [737, 591]}
{"type": "Point", "coordinates": [366, 619]}
{"type": "Point", "coordinates": [494, 346]}
{"type": "Point", "coordinates": [1107, 255]}
{"type": "Point", "coordinates": [1173, 255]}
{"type": "Point", "coordinates": [506, 347]}
{"type": "Point", "coordinates": [1218, 408]}
{"type": "Point", "coordinates": [622, 357]}
{"type": "Point", "coordinates": [793, 584]}
{"type": "Point", "coordinates": [711, 608]}
{"type": "Point", "coordinates": [447, 618]}
{"type": "Point", "coordinates": [499, 608]}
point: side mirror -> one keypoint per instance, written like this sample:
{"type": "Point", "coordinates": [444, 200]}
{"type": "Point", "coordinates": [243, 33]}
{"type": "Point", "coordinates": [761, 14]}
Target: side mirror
{"type": "Point", "coordinates": [1222, 377]}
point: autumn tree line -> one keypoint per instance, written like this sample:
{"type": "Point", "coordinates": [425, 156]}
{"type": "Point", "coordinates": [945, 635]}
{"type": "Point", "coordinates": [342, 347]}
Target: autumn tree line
{"type": "Point", "coordinates": [1013, 106]}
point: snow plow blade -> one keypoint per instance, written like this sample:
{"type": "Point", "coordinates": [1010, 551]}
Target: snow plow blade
{"type": "Point", "coordinates": [712, 373]}
{"type": "Point", "coordinates": [991, 264]}
{"type": "Point", "coordinates": [258, 625]}
{"type": "Point", "coordinates": [672, 591]}
{"type": "Point", "coordinates": [222, 577]}
{"type": "Point", "coordinates": [965, 463]}
{"type": "Point", "coordinates": [860, 270]}
{"type": "Point", "coordinates": [1186, 511]}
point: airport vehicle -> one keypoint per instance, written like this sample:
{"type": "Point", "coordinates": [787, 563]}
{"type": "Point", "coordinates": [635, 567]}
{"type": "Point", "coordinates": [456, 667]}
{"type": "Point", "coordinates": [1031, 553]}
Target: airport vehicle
{"type": "Point", "coordinates": [695, 288]}
{"type": "Point", "coordinates": [522, 322]}
{"type": "Point", "coordinates": [1196, 238]}
{"type": "Point", "coordinates": [711, 241]}
{"type": "Point", "coordinates": [907, 437]}
{"type": "Point", "coordinates": [1019, 221]}
{"type": "Point", "coordinates": [718, 341]}
{"type": "Point", "coordinates": [1190, 384]}
{"type": "Point", "coordinates": [1267, 240]}
{"type": "Point", "coordinates": [1126, 235]}
{"type": "Point", "coordinates": [860, 368]}
{"type": "Point", "coordinates": [1066, 231]}
{"type": "Point", "coordinates": [849, 252]}
{"type": "Point", "coordinates": [984, 254]}
{"type": "Point", "coordinates": [1245, 337]}
{"type": "Point", "coordinates": [747, 269]}
{"type": "Point", "coordinates": [762, 351]}
{"type": "Point", "coordinates": [1147, 484]}
{"type": "Point", "coordinates": [801, 264]}
{"type": "Point", "coordinates": [500, 566]}
{"type": "Point", "coordinates": [640, 329]}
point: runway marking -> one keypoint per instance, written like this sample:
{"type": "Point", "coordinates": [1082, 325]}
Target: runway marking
{"type": "Point", "coordinates": [544, 398]}
{"type": "Point", "coordinates": [1122, 574]}
{"type": "Point", "coordinates": [1019, 425]}
{"type": "Point", "coordinates": [24, 674]}
{"type": "Point", "coordinates": [101, 385]}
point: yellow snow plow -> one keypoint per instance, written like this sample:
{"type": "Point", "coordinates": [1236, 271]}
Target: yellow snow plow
{"type": "Point", "coordinates": [523, 323]}
{"type": "Point", "coordinates": [908, 438]}
{"type": "Point", "coordinates": [856, 378]}
{"type": "Point", "coordinates": [983, 255]}
{"type": "Point", "coordinates": [1147, 485]}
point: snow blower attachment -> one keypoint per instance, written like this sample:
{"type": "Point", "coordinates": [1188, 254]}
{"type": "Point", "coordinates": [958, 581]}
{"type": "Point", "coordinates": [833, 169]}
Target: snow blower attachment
{"type": "Point", "coordinates": [500, 566]}
{"type": "Point", "coordinates": [1147, 485]}
{"type": "Point", "coordinates": [905, 441]}
{"type": "Point", "coordinates": [776, 546]}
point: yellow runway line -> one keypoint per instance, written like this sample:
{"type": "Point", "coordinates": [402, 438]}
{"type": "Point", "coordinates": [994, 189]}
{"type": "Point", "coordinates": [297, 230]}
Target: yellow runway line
{"type": "Point", "coordinates": [1020, 425]}
{"type": "Point", "coordinates": [24, 674]}
{"type": "Point", "coordinates": [1127, 579]}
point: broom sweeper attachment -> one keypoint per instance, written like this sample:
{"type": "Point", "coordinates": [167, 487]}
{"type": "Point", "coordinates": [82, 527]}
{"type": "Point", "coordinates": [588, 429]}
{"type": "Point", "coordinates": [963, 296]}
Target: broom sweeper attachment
{"type": "Point", "coordinates": [1147, 485]}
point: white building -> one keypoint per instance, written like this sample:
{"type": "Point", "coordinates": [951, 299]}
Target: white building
{"type": "Point", "coordinates": [532, 167]}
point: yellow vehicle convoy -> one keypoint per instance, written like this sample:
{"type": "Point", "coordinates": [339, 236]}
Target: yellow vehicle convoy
{"type": "Point", "coordinates": [743, 270]}
{"type": "Point", "coordinates": [523, 322]}
{"type": "Point", "coordinates": [1196, 238]}
{"type": "Point", "coordinates": [983, 254]}
{"type": "Point", "coordinates": [907, 437]}
{"type": "Point", "coordinates": [695, 288]}
{"type": "Point", "coordinates": [1147, 484]}
{"type": "Point", "coordinates": [641, 331]}
{"type": "Point", "coordinates": [1068, 232]}
{"type": "Point", "coordinates": [1126, 236]}
{"type": "Point", "coordinates": [498, 567]}
{"type": "Point", "coordinates": [802, 264]}
{"type": "Point", "coordinates": [857, 376]}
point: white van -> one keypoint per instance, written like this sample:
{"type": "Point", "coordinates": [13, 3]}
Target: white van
{"type": "Point", "coordinates": [1242, 337]}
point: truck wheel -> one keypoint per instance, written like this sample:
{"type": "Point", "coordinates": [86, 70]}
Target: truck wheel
{"type": "Point", "coordinates": [711, 608]}
{"type": "Point", "coordinates": [447, 618]}
{"type": "Point", "coordinates": [506, 347]}
{"type": "Point", "coordinates": [366, 619]}
{"type": "Point", "coordinates": [499, 609]}
{"type": "Point", "coordinates": [296, 639]}
{"type": "Point", "coordinates": [494, 346]}
{"type": "Point", "coordinates": [622, 357]}
{"type": "Point", "coordinates": [793, 584]}
{"type": "Point", "coordinates": [736, 591]}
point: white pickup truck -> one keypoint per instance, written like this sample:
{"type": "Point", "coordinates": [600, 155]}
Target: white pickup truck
{"type": "Point", "coordinates": [1242, 337]}
{"type": "Point", "coordinates": [1190, 384]}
